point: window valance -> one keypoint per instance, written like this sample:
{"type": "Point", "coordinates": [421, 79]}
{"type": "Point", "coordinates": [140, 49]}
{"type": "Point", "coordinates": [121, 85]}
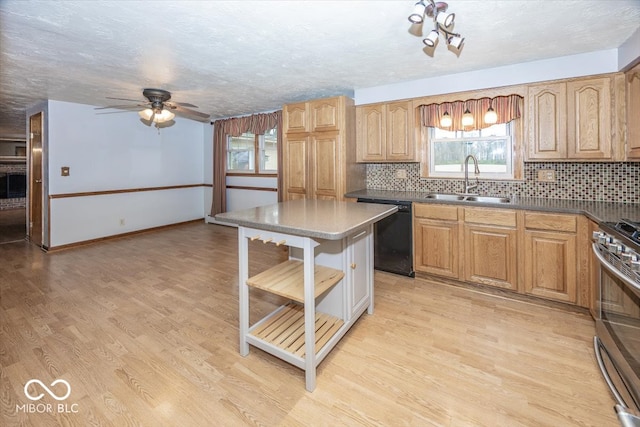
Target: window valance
{"type": "Point", "coordinates": [255, 123]}
{"type": "Point", "coordinates": [507, 108]}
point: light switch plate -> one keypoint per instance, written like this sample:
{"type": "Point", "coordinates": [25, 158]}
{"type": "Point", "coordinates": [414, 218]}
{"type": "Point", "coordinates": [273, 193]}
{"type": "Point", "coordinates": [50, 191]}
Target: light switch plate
{"type": "Point", "coordinates": [401, 174]}
{"type": "Point", "coordinates": [64, 171]}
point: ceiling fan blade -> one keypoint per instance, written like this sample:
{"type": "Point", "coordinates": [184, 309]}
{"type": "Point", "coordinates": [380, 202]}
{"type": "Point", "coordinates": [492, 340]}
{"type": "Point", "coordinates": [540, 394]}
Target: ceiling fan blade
{"type": "Point", "coordinates": [190, 114]}
{"type": "Point", "coordinates": [124, 99]}
{"type": "Point", "coordinates": [114, 112]}
{"type": "Point", "coordinates": [122, 107]}
{"type": "Point", "coordinates": [183, 104]}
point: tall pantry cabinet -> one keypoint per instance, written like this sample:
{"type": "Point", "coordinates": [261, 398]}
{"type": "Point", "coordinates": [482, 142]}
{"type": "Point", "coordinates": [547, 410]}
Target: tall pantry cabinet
{"type": "Point", "coordinates": [319, 150]}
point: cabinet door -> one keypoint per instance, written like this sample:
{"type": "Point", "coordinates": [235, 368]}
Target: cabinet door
{"type": "Point", "coordinates": [589, 119]}
{"type": "Point", "coordinates": [546, 121]}
{"type": "Point", "coordinates": [325, 114]}
{"type": "Point", "coordinates": [326, 159]}
{"type": "Point", "coordinates": [295, 168]}
{"type": "Point", "coordinates": [370, 137]}
{"type": "Point", "coordinates": [490, 256]}
{"type": "Point", "coordinates": [550, 265]}
{"type": "Point", "coordinates": [436, 247]}
{"type": "Point", "coordinates": [295, 118]}
{"type": "Point", "coordinates": [399, 132]}
{"type": "Point", "coordinates": [632, 78]}
{"type": "Point", "coordinates": [360, 270]}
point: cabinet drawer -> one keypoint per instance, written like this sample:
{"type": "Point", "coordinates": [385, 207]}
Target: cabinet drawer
{"type": "Point", "coordinates": [552, 222]}
{"type": "Point", "coordinates": [435, 211]}
{"type": "Point", "coordinates": [504, 217]}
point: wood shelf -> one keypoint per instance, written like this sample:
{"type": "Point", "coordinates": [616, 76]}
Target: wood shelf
{"type": "Point", "coordinates": [287, 280]}
{"type": "Point", "coordinates": [285, 329]}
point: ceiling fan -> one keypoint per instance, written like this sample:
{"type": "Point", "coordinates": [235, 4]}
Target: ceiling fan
{"type": "Point", "coordinates": [159, 108]}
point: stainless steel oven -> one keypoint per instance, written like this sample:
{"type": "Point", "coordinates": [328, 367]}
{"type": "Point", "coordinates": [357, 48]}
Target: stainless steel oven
{"type": "Point", "coordinates": [617, 341]}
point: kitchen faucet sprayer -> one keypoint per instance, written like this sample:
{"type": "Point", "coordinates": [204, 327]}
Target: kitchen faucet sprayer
{"type": "Point", "coordinates": [467, 186]}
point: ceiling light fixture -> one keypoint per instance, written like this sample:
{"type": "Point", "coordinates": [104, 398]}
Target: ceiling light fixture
{"type": "Point", "coordinates": [490, 117]}
{"type": "Point", "coordinates": [442, 21]}
{"type": "Point", "coordinates": [467, 118]}
{"type": "Point", "coordinates": [445, 120]}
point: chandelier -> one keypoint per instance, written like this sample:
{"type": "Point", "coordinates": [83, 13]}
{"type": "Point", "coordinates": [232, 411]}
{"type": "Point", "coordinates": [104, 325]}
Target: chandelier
{"type": "Point", "coordinates": [442, 23]}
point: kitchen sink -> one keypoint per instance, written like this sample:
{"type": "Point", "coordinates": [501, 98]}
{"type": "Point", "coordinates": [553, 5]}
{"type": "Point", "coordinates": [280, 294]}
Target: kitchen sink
{"type": "Point", "coordinates": [441, 196]}
{"type": "Point", "coordinates": [487, 199]}
{"type": "Point", "coordinates": [468, 198]}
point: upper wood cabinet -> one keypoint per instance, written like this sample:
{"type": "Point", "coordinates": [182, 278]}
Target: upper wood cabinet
{"type": "Point", "coordinates": [319, 150]}
{"type": "Point", "coordinates": [632, 79]}
{"type": "Point", "coordinates": [589, 126]}
{"type": "Point", "coordinates": [385, 132]}
{"type": "Point", "coordinates": [574, 120]}
{"type": "Point", "coordinates": [547, 120]}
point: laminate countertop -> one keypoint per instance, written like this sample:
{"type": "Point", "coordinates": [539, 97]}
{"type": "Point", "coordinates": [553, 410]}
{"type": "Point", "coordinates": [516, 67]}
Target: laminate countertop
{"type": "Point", "coordinates": [322, 219]}
{"type": "Point", "coordinates": [597, 211]}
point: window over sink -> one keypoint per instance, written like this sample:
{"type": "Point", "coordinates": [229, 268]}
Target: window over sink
{"type": "Point", "coordinates": [493, 147]}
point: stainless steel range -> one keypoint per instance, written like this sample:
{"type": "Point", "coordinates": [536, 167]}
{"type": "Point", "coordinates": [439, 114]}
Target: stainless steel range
{"type": "Point", "coordinates": [617, 341]}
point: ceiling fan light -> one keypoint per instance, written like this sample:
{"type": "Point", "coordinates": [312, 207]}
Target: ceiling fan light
{"type": "Point", "coordinates": [490, 117]}
{"type": "Point", "coordinates": [431, 39]}
{"type": "Point", "coordinates": [418, 13]}
{"type": "Point", "coordinates": [445, 19]}
{"type": "Point", "coordinates": [445, 120]}
{"type": "Point", "coordinates": [146, 114]}
{"type": "Point", "coordinates": [455, 41]}
{"type": "Point", "coordinates": [163, 116]}
{"type": "Point", "coordinates": [467, 118]}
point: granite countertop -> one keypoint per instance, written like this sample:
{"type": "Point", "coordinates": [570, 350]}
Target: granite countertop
{"type": "Point", "coordinates": [597, 211]}
{"type": "Point", "coordinates": [322, 219]}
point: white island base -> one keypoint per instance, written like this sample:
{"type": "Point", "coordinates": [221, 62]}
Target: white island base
{"type": "Point", "coordinates": [329, 284]}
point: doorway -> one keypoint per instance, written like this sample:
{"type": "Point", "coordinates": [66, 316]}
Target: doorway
{"type": "Point", "coordinates": [35, 179]}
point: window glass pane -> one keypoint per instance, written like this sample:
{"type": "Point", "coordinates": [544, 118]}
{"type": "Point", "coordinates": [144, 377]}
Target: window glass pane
{"type": "Point", "coordinates": [442, 133]}
{"type": "Point", "coordinates": [491, 146]}
{"type": "Point", "coordinates": [269, 152]}
{"type": "Point", "coordinates": [240, 153]}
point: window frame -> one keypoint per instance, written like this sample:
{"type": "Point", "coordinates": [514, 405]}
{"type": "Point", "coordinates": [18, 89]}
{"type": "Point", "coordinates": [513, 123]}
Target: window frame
{"type": "Point", "coordinates": [258, 144]}
{"type": "Point", "coordinates": [517, 165]}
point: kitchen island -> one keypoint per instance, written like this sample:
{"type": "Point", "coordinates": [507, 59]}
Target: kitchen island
{"type": "Point", "coordinates": [328, 278]}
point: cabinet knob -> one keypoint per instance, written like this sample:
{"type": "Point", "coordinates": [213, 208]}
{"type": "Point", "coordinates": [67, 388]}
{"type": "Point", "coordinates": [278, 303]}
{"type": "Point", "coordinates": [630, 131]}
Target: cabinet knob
{"type": "Point", "coordinates": [353, 265]}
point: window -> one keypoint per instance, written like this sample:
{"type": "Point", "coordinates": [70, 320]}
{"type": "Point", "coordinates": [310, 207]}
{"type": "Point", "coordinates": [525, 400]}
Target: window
{"type": "Point", "coordinates": [243, 150]}
{"type": "Point", "coordinates": [492, 146]}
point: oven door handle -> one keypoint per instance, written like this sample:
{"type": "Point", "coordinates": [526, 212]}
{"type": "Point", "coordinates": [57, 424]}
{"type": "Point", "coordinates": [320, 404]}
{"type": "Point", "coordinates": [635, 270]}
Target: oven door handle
{"type": "Point", "coordinates": [598, 348]}
{"type": "Point", "coordinates": [614, 271]}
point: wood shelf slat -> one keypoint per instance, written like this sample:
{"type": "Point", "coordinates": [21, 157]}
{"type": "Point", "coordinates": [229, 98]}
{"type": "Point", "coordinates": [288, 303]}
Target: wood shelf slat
{"type": "Point", "coordinates": [285, 329]}
{"type": "Point", "coordinates": [287, 280]}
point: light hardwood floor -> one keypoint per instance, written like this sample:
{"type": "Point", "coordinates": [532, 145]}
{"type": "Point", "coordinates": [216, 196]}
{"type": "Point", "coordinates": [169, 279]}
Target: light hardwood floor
{"type": "Point", "coordinates": [144, 329]}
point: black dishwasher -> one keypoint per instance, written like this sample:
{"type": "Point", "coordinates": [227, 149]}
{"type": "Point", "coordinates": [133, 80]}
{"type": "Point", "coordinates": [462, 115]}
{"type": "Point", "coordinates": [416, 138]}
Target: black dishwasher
{"type": "Point", "coordinates": [393, 239]}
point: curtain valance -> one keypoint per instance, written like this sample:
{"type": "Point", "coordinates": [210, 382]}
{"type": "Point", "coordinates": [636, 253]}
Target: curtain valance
{"type": "Point", "coordinates": [507, 108]}
{"type": "Point", "coordinates": [255, 123]}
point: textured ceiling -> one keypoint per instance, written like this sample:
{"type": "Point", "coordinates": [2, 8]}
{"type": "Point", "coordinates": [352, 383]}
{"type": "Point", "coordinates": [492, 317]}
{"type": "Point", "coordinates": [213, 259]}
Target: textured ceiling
{"type": "Point", "coordinates": [239, 57]}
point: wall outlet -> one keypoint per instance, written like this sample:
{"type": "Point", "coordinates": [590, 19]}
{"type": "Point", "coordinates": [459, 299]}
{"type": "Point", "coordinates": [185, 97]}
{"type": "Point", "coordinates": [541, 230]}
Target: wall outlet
{"type": "Point", "coordinates": [401, 174]}
{"type": "Point", "coordinates": [547, 175]}
{"type": "Point", "coordinates": [121, 221]}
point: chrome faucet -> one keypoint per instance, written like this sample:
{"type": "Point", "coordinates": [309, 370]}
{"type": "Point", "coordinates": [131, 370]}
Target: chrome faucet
{"type": "Point", "coordinates": [467, 186]}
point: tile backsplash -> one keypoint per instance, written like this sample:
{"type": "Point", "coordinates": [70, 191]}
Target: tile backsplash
{"type": "Point", "coordinates": [611, 182]}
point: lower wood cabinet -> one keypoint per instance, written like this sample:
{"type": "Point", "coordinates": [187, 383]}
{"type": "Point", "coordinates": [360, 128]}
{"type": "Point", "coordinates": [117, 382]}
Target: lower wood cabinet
{"type": "Point", "coordinates": [435, 238]}
{"type": "Point", "coordinates": [550, 256]}
{"type": "Point", "coordinates": [490, 247]}
{"type": "Point", "coordinates": [542, 254]}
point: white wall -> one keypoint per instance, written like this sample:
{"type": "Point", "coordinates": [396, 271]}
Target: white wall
{"type": "Point", "coordinates": [108, 152]}
{"type": "Point", "coordinates": [586, 64]}
{"type": "Point", "coordinates": [629, 51]}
